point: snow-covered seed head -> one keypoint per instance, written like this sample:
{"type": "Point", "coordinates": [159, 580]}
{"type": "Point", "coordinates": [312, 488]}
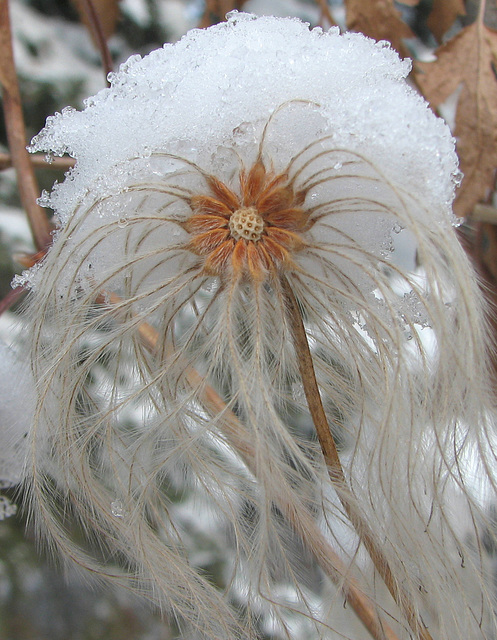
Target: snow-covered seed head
{"type": "Point", "coordinates": [247, 224]}
{"type": "Point", "coordinates": [164, 349]}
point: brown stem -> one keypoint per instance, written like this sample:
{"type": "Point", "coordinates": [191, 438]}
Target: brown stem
{"type": "Point", "coordinates": [39, 162]}
{"type": "Point", "coordinates": [95, 26]}
{"type": "Point", "coordinates": [334, 465]}
{"type": "Point", "coordinates": [303, 522]}
{"type": "Point", "coordinates": [484, 213]}
{"type": "Point", "coordinates": [481, 12]}
{"type": "Point", "coordinates": [16, 135]}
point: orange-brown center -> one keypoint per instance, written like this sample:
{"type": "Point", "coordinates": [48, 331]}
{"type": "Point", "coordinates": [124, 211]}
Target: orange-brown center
{"type": "Point", "coordinates": [251, 235]}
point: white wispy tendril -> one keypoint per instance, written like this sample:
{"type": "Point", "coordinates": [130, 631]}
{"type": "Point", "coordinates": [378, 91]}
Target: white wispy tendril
{"type": "Point", "coordinates": [252, 177]}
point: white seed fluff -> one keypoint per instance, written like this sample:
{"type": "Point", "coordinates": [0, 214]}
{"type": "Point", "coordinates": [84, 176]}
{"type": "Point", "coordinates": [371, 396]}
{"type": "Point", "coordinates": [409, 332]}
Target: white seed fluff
{"type": "Point", "coordinates": [212, 404]}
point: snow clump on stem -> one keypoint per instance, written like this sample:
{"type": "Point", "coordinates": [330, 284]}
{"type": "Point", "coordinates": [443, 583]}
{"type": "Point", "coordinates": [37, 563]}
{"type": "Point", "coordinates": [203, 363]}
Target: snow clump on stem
{"type": "Point", "coordinates": [220, 289]}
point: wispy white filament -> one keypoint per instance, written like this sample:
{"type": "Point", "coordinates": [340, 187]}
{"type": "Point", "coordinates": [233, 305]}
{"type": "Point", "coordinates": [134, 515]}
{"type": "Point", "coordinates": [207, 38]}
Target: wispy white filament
{"type": "Point", "coordinates": [159, 380]}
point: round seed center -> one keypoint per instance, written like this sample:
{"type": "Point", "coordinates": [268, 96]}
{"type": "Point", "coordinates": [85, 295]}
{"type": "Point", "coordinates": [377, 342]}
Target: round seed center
{"type": "Point", "coordinates": [246, 223]}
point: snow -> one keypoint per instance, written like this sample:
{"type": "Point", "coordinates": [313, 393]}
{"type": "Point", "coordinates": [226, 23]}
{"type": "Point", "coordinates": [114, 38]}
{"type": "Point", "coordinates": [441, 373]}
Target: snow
{"type": "Point", "coordinates": [16, 413]}
{"type": "Point", "coordinates": [220, 85]}
{"type": "Point", "coordinates": [210, 99]}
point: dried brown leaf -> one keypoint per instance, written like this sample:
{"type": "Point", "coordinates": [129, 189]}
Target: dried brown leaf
{"type": "Point", "coordinates": [443, 15]}
{"type": "Point", "coordinates": [481, 9]}
{"type": "Point", "coordinates": [106, 10]}
{"type": "Point", "coordinates": [468, 60]}
{"type": "Point", "coordinates": [378, 19]}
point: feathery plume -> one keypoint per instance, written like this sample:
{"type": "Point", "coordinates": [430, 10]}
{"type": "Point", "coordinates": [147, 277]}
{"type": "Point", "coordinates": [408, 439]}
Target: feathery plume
{"type": "Point", "coordinates": [221, 322]}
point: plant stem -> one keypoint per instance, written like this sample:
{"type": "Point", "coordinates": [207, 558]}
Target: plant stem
{"type": "Point", "coordinates": [334, 465]}
{"type": "Point", "coordinates": [39, 162]}
{"type": "Point", "coordinates": [16, 135]}
{"type": "Point", "coordinates": [481, 12]}
{"type": "Point", "coordinates": [97, 33]}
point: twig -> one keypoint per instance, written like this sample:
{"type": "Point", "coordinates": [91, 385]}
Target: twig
{"type": "Point", "coordinates": [16, 135]}
{"type": "Point", "coordinates": [38, 160]}
{"type": "Point", "coordinates": [332, 459]}
{"type": "Point", "coordinates": [97, 32]}
{"type": "Point", "coordinates": [484, 213]}
{"type": "Point", "coordinates": [481, 13]}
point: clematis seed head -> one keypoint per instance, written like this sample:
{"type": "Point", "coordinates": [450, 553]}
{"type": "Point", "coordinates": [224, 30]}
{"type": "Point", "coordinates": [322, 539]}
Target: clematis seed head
{"type": "Point", "coordinates": [252, 234]}
{"type": "Point", "coordinates": [162, 329]}
{"type": "Point", "coordinates": [247, 224]}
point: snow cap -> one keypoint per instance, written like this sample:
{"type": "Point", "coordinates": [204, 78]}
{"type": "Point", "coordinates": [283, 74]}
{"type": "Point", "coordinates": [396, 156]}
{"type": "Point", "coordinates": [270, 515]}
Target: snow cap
{"type": "Point", "coordinates": [216, 88]}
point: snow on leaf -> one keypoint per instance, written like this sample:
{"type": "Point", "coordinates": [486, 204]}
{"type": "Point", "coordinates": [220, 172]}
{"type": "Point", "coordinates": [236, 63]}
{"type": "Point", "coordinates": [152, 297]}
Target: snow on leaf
{"type": "Point", "coordinates": [468, 60]}
{"type": "Point", "coordinates": [378, 19]}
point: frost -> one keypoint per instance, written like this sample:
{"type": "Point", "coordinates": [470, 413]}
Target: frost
{"type": "Point", "coordinates": [414, 309]}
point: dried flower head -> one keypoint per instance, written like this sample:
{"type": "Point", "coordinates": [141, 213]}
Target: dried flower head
{"type": "Point", "coordinates": [221, 289]}
{"type": "Point", "coordinates": [251, 235]}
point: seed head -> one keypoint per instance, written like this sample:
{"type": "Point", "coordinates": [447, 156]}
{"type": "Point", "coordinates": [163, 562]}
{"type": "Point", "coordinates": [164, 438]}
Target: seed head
{"type": "Point", "coordinates": [251, 234]}
{"type": "Point", "coordinates": [190, 218]}
{"type": "Point", "coordinates": [246, 224]}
